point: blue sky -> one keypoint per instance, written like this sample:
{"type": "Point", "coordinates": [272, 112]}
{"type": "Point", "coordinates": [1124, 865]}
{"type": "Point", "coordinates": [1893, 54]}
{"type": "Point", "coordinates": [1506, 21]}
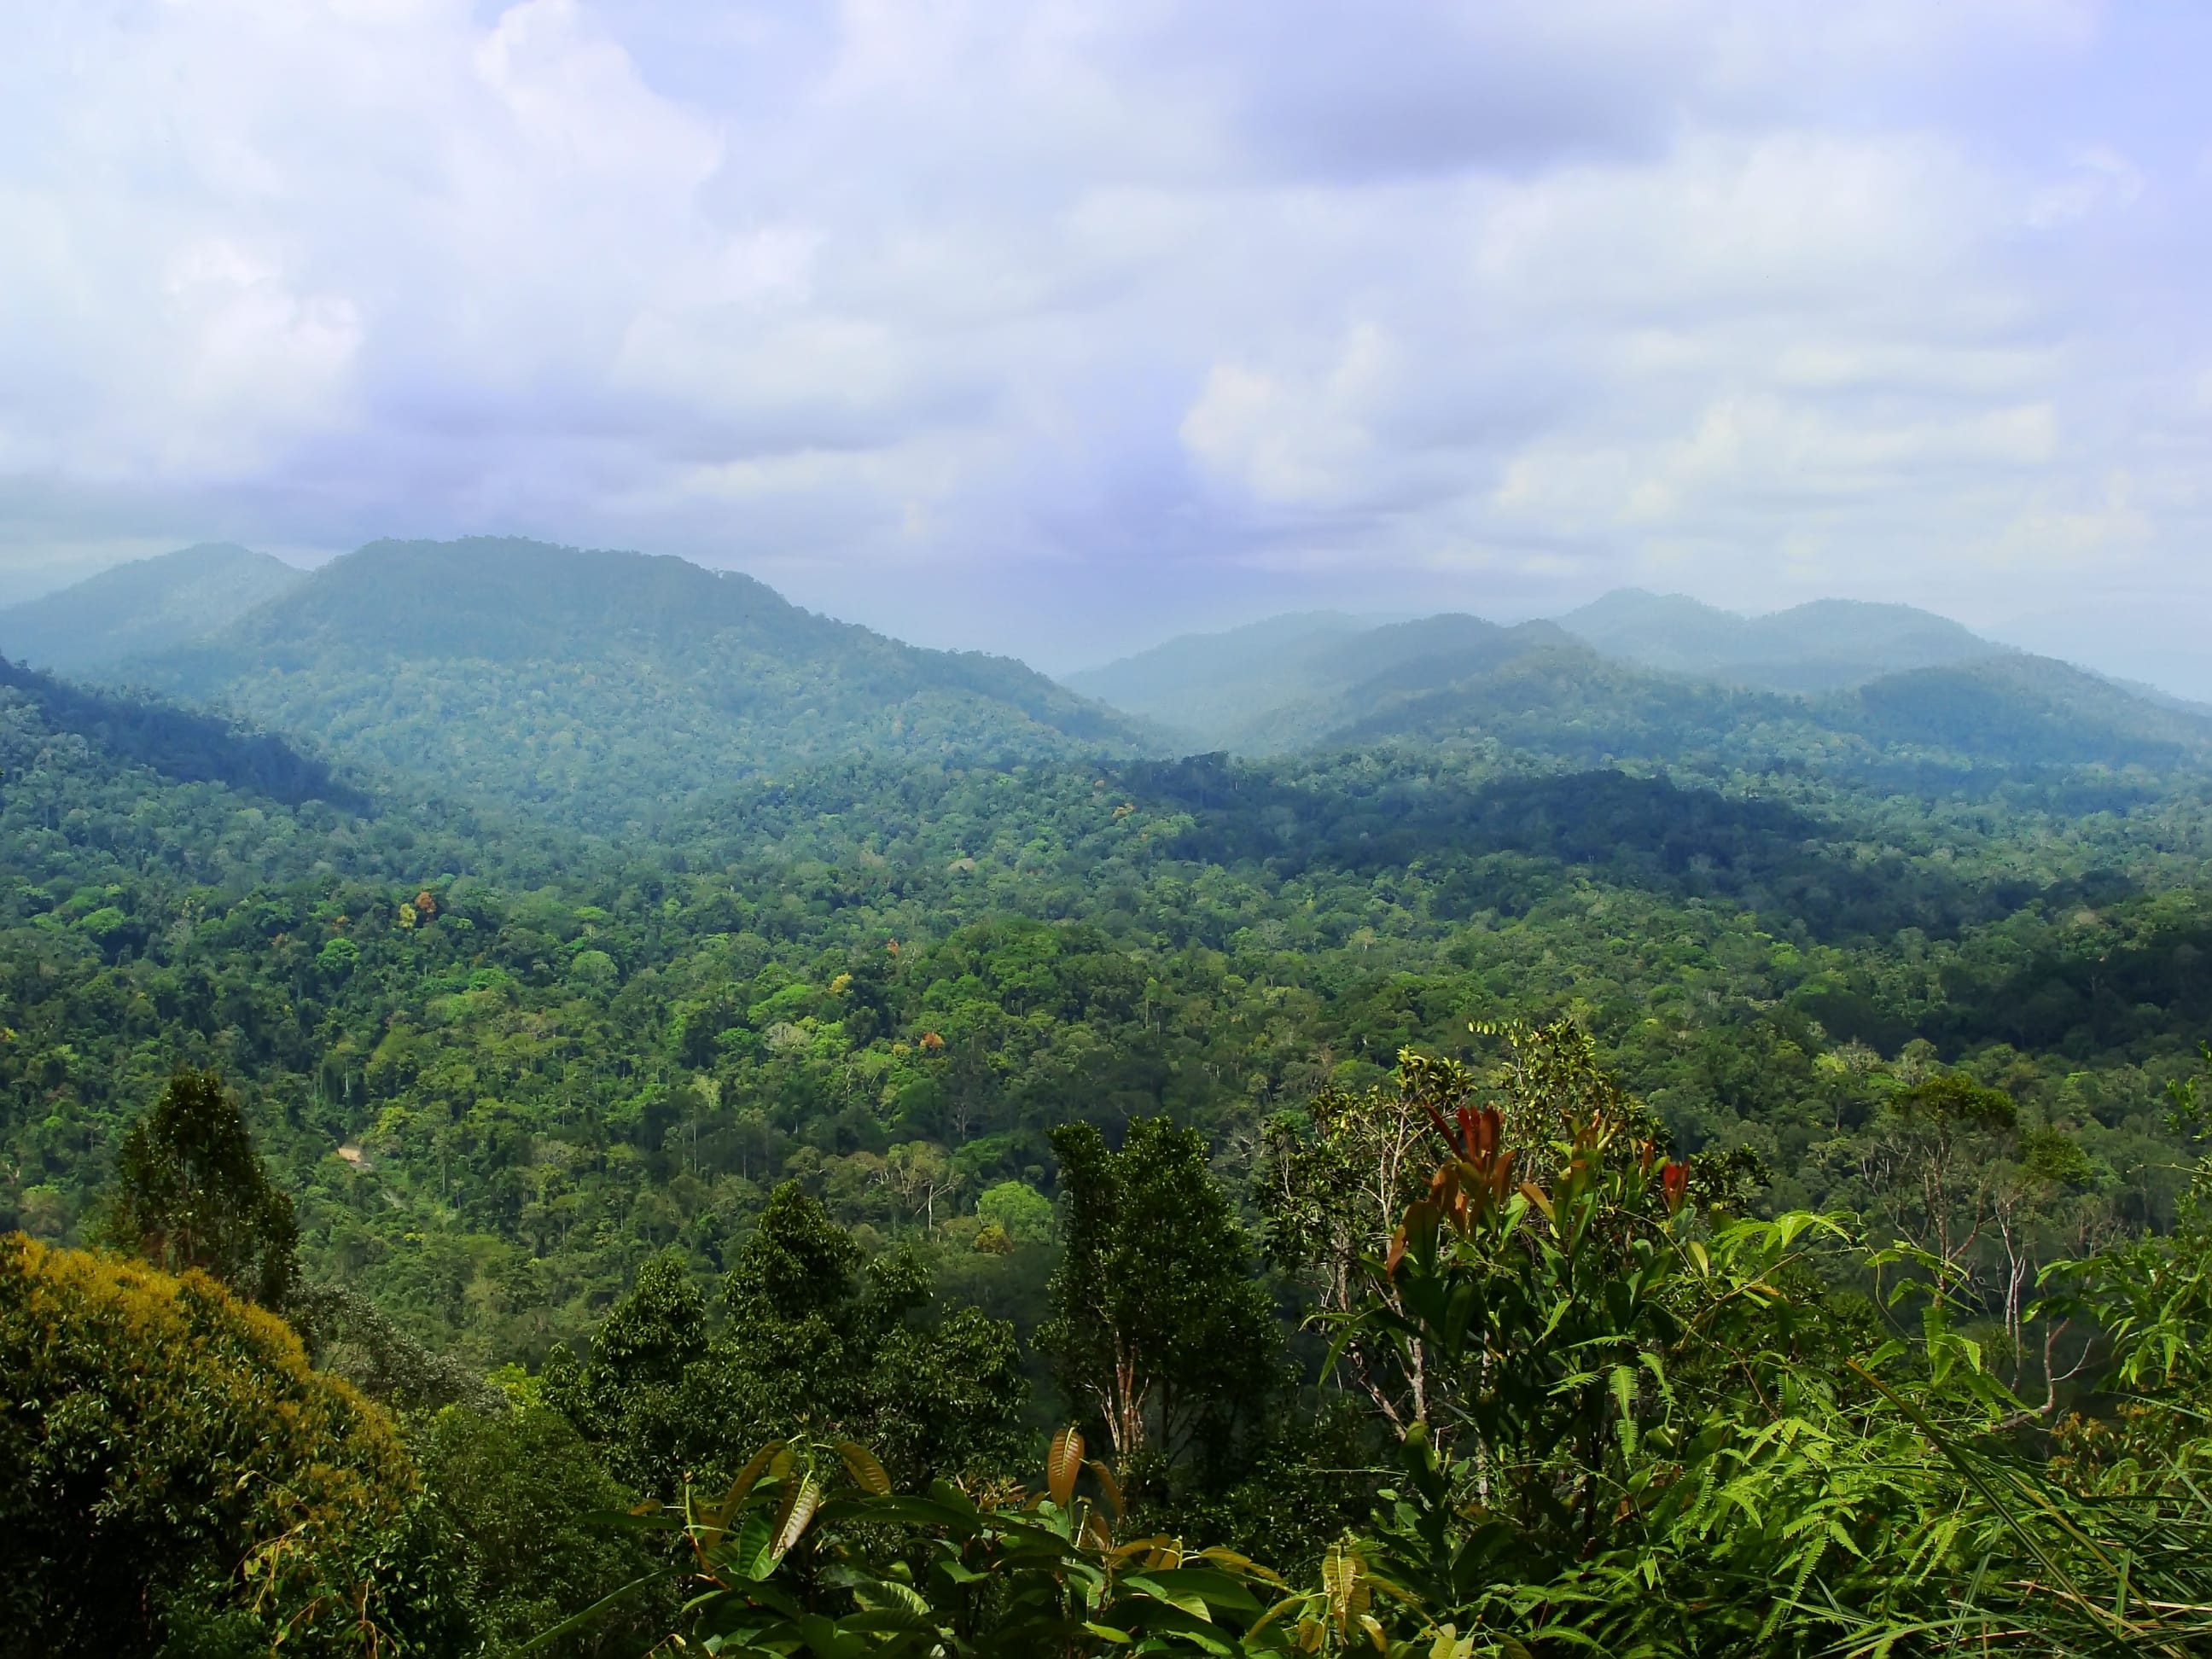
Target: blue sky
{"type": "Point", "coordinates": [1053, 329]}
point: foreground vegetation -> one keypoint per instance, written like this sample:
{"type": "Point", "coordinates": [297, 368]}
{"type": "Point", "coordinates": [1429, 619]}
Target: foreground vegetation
{"type": "Point", "coordinates": [1572, 1399]}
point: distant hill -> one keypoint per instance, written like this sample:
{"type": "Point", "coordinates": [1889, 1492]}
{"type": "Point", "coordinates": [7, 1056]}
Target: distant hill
{"type": "Point", "coordinates": [1276, 684]}
{"type": "Point", "coordinates": [1564, 700]}
{"type": "Point", "coordinates": [146, 606]}
{"type": "Point", "coordinates": [1572, 705]}
{"type": "Point", "coordinates": [1657, 677]}
{"type": "Point", "coordinates": [1385, 666]}
{"type": "Point", "coordinates": [1205, 685]}
{"type": "Point", "coordinates": [1829, 645]}
{"type": "Point", "coordinates": [597, 686]}
{"type": "Point", "coordinates": [182, 746]}
{"type": "Point", "coordinates": [2025, 710]}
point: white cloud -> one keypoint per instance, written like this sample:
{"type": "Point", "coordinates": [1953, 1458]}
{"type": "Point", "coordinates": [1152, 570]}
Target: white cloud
{"type": "Point", "coordinates": [1489, 303]}
{"type": "Point", "coordinates": [1292, 441]}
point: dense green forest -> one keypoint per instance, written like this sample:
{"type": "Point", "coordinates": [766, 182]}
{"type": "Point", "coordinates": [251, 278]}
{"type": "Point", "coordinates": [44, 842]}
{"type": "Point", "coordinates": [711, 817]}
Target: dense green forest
{"type": "Point", "coordinates": [674, 1024]}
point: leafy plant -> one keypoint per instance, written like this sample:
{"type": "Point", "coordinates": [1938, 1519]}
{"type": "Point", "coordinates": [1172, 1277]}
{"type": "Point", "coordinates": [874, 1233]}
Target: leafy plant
{"type": "Point", "coordinates": [810, 1551]}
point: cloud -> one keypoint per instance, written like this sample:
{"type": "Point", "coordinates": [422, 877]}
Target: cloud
{"type": "Point", "coordinates": [1022, 324]}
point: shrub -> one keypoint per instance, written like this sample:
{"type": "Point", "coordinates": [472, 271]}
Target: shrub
{"type": "Point", "coordinates": [173, 1473]}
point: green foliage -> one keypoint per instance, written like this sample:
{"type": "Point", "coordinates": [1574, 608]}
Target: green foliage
{"type": "Point", "coordinates": [143, 605]}
{"type": "Point", "coordinates": [896, 936]}
{"type": "Point", "coordinates": [169, 1463]}
{"type": "Point", "coordinates": [175, 743]}
{"type": "Point", "coordinates": [514, 1488]}
{"type": "Point", "coordinates": [793, 1559]}
{"type": "Point", "coordinates": [191, 1192]}
{"type": "Point", "coordinates": [1155, 1327]}
{"type": "Point", "coordinates": [348, 1335]}
{"type": "Point", "coordinates": [535, 673]}
{"type": "Point", "coordinates": [1017, 1210]}
{"type": "Point", "coordinates": [524, 1138]}
{"type": "Point", "coordinates": [815, 1336]}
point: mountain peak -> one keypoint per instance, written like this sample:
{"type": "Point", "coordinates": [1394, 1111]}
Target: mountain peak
{"type": "Point", "coordinates": [145, 605]}
{"type": "Point", "coordinates": [602, 685]}
{"type": "Point", "coordinates": [1825, 645]}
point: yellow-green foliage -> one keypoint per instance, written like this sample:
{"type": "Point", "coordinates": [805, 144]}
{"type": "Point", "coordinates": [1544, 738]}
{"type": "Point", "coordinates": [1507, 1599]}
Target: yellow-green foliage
{"type": "Point", "coordinates": [167, 1458]}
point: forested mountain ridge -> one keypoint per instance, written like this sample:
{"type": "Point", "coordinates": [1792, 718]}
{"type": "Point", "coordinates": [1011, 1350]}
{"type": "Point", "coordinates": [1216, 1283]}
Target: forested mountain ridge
{"type": "Point", "coordinates": [173, 742]}
{"type": "Point", "coordinates": [146, 606]}
{"type": "Point", "coordinates": [1312, 678]}
{"type": "Point", "coordinates": [1539, 690]}
{"type": "Point", "coordinates": [601, 687]}
{"type": "Point", "coordinates": [1389, 666]}
{"type": "Point", "coordinates": [1827, 645]}
{"type": "Point", "coordinates": [1221, 680]}
{"type": "Point", "coordinates": [1568, 703]}
{"type": "Point", "coordinates": [1282, 684]}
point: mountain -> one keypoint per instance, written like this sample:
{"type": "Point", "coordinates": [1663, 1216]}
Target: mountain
{"type": "Point", "coordinates": [2020, 710]}
{"type": "Point", "coordinates": [597, 687]}
{"type": "Point", "coordinates": [1210, 683]}
{"type": "Point", "coordinates": [1286, 681]}
{"type": "Point", "coordinates": [1659, 678]}
{"type": "Point", "coordinates": [1276, 684]}
{"type": "Point", "coordinates": [1829, 645]}
{"type": "Point", "coordinates": [146, 606]}
{"type": "Point", "coordinates": [1570, 705]}
{"type": "Point", "coordinates": [112, 733]}
{"type": "Point", "coordinates": [1383, 667]}
{"type": "Point", "coordinates": [1561, 699]}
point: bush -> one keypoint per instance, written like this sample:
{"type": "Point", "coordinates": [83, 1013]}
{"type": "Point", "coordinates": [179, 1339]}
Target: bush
{"type": "Point", "coordinates": [516, 1488]}
{"type": "Point", "coordinates": [173, 1475]}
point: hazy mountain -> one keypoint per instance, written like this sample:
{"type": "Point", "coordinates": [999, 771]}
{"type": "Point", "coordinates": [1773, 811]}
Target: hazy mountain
{"type": "Point", "coordinates": [597, 686]}
{"type": "Point", "coordinates": [146, 606]}
{"type": "Point", "coordinates": [1281, 683]}
{"type": "Point", "coordinates": [2024, 710]}
{"type": "Point", "coordinates": [1561, 699]}
{"type": "Point", "coordinates": [1383, 667]}
{"type": "Point", "coordinates": [1829, 645]}
{"type": "Point", "coordinates": [1572, 705]}
{"type": "Point", "coordinates": [1659, 678]}
{"type": "Point", "coordinates": [1821, 647]}
{"type": "Point", "coordinates": [1277, 684]}
{"type": "Point", "coordinates": [1207, 684]}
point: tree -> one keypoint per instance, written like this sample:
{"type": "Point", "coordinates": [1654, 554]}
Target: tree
{"type": "Point", "coordinates": [1017, 1210]}
{"type": "Point", "coordinates": [627, 1399]}
{"type": "Point", "coordinates": [173, 1477]}
{"type": "Point", "coordinates": [191, 1192]}
{"type": "Point", "coordinates": [1935, 1164]}
{"type": "Point", "coordinates": [922, 1177]}
{"type": "Point", "coordinates": [810, 1550]}
{"type": "Point", "coordinates": [1332, 1185]}
{"type": "Point", "coordinates": [516, 1488]}
{"type": "Point", "coordinates": [817, 1336]}
{"type": "Point", "coordinates": [1157, 1323]}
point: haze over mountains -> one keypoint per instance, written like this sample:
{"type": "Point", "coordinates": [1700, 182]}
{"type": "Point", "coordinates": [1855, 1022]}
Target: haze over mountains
{"type": "Point", "coordinates": [146, 606]}
{"type": "Point", "coordinates": [598, 685]}
{"type": "Point", "coordinates": [1648, 677]}
{"type": "Point", "coordinates": [605, 688]}
{"type": "Point", "coordinates": [1232, 686]}
{"type": "Point", "coordinates": [1828, 645]}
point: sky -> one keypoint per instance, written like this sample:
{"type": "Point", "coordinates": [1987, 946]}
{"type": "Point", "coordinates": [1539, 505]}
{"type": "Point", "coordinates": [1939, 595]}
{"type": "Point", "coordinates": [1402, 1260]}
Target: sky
{"type": "Point", "coordinates": [1054, 329]}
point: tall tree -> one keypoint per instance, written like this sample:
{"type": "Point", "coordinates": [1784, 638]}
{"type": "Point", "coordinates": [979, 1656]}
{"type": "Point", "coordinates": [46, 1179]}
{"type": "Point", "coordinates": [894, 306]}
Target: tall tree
{"type": "Point", "coordinates": [1157, 1322]}
{"type": "Point", "coordinates": [191, 1192]}
{"type": "Point", "coordinates": [818, 1335]}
